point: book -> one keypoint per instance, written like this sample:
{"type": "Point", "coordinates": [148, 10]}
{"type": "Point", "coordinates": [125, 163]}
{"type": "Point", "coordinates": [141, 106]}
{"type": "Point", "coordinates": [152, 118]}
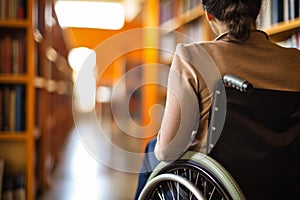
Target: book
{"type": "Point", "coordinates": [286, 5]}
{"type": "Point", "coordinates": [15, 56]}
{"type": "Point", "coordinates": [6, 108]}
{"type": "Point", "coordinates": [1, 175]}
{"type": "Point", "coordinates": [7, 189]}
{"type": "Point", "coordinates": [6, 68]}
{"type": "Point", "coordinates": [21, 55]}
{"type": "Point", "coordinates": [2, 9]}
{"type": "Point", "coordinates": [12, 109]}
{"type": "Point", "coordinates": [293, 9]}
{"type": "Point", "coordinates": [21, 11]}
{"type": "Point", "coordinates": [277, 14]}
{"type": "Point", "coordinates": [19, 108]}
{"type": "Point", "coordinates": [166, 10]}
{"type": "Point", "coordinates": [19, 191]}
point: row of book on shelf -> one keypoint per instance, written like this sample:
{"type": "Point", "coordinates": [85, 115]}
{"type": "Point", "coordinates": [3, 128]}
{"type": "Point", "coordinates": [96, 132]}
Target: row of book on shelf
{"type": "Point", "coordinates": [12, 107]}
{"type": "Point", "coordinates": [12, 54]}
{"type": "Point", "coordinates": [11, 187]}
{"type": "Point", "coordinates": [276, 11]}
{"type": "Point", "coordinates": [284, 10]}
{"type": "Point", "coordinates": [169, 8]}
{"type": "Point", "coordinates": [12, 9]}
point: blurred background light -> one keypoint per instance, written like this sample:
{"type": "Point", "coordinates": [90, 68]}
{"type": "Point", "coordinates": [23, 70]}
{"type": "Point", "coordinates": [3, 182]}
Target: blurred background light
{"type": "Point", "coordinates": [90, 14]}
{"type": "Point", "coordinates": [77, 56]}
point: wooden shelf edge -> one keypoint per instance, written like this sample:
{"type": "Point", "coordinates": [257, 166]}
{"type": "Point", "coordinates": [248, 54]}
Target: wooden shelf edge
{"type": "Point", "coordinates": [14, 78]}
{"type": "Point", "coordinates": [22, 135]}
{"type": "Point", "coordinates": [14, 23]}
{"type": "Point", "coordinates": [282, 31]}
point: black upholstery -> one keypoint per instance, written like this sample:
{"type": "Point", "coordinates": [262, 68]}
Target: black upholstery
{"type": "Point", "coordinates": [260, 143]}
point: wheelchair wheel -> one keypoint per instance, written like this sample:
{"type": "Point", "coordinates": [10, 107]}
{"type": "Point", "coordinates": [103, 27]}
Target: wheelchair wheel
{"type": "Point", "coordinates": [201, 177]}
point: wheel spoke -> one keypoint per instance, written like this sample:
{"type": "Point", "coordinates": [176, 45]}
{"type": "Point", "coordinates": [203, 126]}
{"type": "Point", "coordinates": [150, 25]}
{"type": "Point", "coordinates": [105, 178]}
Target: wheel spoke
{"type": "Point", "coordinates": [170, 185]}
{"type": "Point", "coordinates": [212, 193]}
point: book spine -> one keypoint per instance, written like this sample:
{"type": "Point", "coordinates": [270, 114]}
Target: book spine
{"type": "Point", "coordinates": [7, 55]}
{"type": "Point", "coordinates": [19, 108]}
{"type": "Point", "coordinates": [19, 191]}
{"type": "Point", "coordinates": [7, 190]}
{"type": "Point", "coordinates": [6, 106]}
{"type": "Point", "coordinates": [286, 10]}
{"type": "Point", "coordinates": [21, 9]}
{"type": "Point", "coordinates": [291, 9]}
{"type": "Point", "coordinates": [12, 109]}
{"type": "Point", "coordinates": [277, 14]}
{"type": "Point", "coordinates": [1, 175]}
{"type": "Point", "coordinates": [2, 9]}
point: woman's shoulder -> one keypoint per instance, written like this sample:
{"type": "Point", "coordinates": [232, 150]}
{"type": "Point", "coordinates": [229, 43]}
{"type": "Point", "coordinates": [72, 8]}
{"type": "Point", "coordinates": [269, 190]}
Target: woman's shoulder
{"type": "Point", "coordinates": [195, 45]}
{"type": "Point", "coordinates": [189, 49]}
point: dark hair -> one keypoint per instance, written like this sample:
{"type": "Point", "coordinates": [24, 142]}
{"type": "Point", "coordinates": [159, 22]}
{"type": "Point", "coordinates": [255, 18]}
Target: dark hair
{"type": "Point", "coordinates": [237, 14]}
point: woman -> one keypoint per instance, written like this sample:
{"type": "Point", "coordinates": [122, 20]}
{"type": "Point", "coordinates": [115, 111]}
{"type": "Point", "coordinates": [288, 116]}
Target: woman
{"type": "Point", "coordinates": [239, 49]}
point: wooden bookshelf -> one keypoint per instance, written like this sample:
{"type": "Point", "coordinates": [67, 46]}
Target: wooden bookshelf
{"type": "Point", "coordinates": [17, 138]}
{"type": "Point", "coordinates": [34, 90]}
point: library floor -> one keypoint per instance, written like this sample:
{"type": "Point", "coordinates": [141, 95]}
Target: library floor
{"type": "Point", "coordinates": [78, 176]}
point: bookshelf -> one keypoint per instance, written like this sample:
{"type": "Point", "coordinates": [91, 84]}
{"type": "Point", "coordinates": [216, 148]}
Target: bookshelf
{"type": "Point", "coordinates": [35, 94]}
{"type": "Point", "coordinates": [281, 22]}
{"type": "Point", "coordinates": [16, 95]}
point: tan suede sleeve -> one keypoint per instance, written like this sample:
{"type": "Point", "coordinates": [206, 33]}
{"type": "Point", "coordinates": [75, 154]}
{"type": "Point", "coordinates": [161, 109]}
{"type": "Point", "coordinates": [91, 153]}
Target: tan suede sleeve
{"type": "Point", "coordinates": [181, 117]}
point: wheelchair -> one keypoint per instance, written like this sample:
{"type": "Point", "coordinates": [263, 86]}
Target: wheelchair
{"type": "Point", "coordinates": [242, 163]}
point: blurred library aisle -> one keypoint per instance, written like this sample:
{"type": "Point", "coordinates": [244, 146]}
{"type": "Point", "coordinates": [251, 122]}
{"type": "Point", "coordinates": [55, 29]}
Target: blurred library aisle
{"type": "Point", "coordinates": [80, 176]}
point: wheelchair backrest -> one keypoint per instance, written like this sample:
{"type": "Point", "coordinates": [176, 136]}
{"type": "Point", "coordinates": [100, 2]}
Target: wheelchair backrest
{"type": "Point", "coordinates": [260, 138]}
